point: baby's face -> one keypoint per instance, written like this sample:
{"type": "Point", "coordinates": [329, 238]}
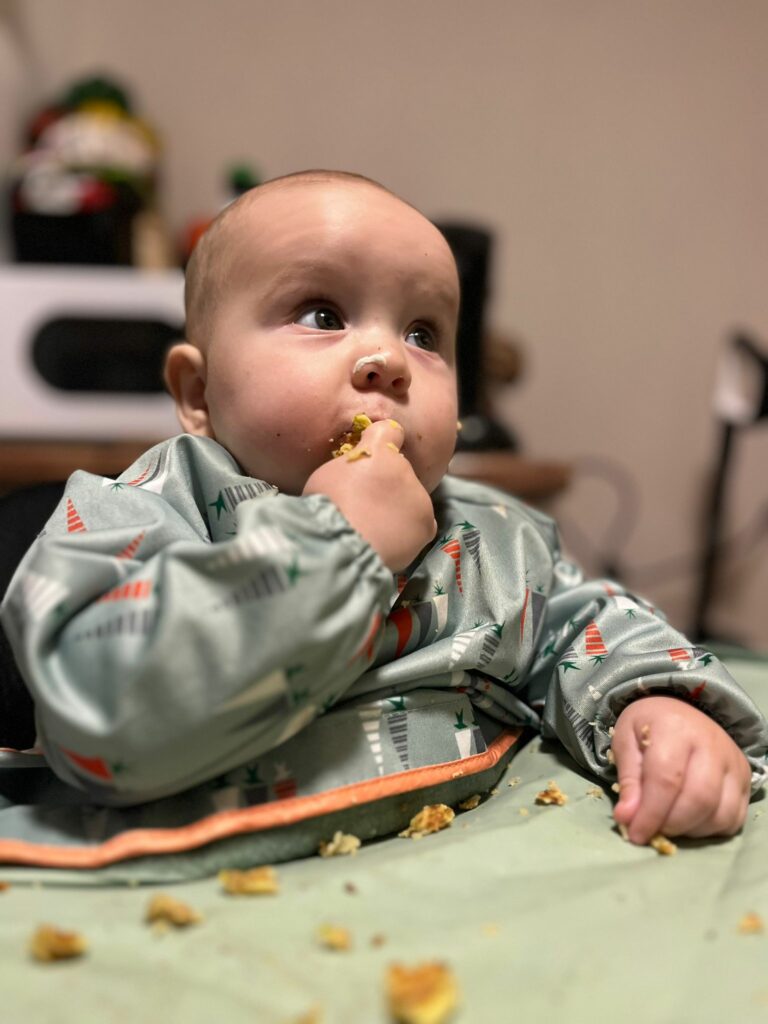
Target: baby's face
{"type": "Point", "coordinates": [341, 299]}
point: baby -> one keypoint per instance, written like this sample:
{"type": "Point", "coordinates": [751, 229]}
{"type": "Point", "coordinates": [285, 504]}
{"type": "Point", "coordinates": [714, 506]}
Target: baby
{"type": "Point", "coordinates": [261, 580]}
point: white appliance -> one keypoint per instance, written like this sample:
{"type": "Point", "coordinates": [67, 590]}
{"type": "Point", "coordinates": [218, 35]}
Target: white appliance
{"type": "Point", "coordinates": [80, 349]}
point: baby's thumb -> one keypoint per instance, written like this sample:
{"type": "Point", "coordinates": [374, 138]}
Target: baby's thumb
{"type": "Point", "coordinates": [629, 765]}
{"type": "Point", "coordinates": [384, 434]}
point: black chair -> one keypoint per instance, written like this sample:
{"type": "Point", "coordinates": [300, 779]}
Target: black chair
{"type": "Point", "coordinates": [22, 516]}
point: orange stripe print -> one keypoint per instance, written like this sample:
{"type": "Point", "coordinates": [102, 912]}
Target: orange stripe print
{"type": "Point", "coordinates": [594, 640]}
{"type": "Point", "coordinates": [74, 523]}
{"type": "Point", "coordinates": [679, 654]}
{"type": "Point", "coordinates": [129, 591]}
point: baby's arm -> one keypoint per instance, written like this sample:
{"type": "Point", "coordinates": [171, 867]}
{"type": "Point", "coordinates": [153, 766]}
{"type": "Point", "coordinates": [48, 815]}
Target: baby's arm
{"type": "Point", "coordinates": [157, 659]}
{"type": "Point", "coordinates": [679, 772]}
{"type": "Point", "coordinates": [611, 666]}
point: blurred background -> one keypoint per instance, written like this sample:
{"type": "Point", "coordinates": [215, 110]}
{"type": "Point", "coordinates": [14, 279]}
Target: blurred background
{"type": "Point", "coordinates": [611, 157]}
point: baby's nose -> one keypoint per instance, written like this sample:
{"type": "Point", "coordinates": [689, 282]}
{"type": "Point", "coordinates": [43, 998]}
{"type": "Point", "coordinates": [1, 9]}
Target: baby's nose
{"type": "Point", "coordinates": [385, 369]}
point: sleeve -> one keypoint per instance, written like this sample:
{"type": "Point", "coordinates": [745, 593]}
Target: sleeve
{"type": "Point", "coordinates": [602, 647]}
{"type": "Point", "coordinates": [183, 619]}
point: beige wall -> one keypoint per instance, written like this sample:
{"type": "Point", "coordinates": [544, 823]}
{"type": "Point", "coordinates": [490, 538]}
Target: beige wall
{"type": "Point", "coordinates": [618, 147]}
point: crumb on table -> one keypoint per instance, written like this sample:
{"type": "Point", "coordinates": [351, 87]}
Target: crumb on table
{"type": "Point", "coordinates": [663, 845]}
{"type": "Point", "coordinates": [333, 936]}
{"type": "Point", "coordinates": [552, 795]}
{"type": "Point", "coordinates": [51, 943]}
{"type": "Point", "coordinates": [425, 994]}
{"type": "Point", "coordinates": [164, 908]}
{"type": "Point", "coordinates": [431, 818]}
{"type": "Point", "coordinates": [470, 803]}
{"type": "Point", "coordinates": [343, 844]}
{"type": "Point", "coordinates": [751, 924]}
{"type": "Point", "coordinates": [259, 881]}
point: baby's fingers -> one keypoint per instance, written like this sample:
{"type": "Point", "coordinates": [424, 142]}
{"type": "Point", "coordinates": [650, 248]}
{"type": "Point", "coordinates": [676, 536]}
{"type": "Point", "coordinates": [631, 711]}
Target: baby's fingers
{"type": "Point", "coordinates": [629, 766]}
{"type": "Point", "coordinates": [698, 800]}
{"type": "Point", "coordinates": [664, 775]}
{"type": "Point", "coordinates": [728, 815]}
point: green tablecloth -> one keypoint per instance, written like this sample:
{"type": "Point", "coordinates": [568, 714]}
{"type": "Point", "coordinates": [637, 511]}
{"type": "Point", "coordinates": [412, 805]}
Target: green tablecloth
{"type": "Point", "coordinates": [544, 916]}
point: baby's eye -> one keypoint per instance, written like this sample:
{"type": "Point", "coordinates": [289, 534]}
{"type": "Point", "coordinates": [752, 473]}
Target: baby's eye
{"type": "Point", "coordinates": [422, 337]}
{"type": "Point", "coordinates": [322, 318]}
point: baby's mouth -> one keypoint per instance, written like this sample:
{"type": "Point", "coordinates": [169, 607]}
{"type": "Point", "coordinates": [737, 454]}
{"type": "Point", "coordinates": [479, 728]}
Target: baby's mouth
{"type": "Point", "coordinates": [347, 439]}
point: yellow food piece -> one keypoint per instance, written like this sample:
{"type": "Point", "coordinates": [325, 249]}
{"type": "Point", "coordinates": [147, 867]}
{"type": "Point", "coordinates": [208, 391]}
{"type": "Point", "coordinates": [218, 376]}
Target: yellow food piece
{"type": "Point", "coordinates": [425, 994]}
{"type": "Point", "coordinates": [351, 437]}
{"type": "Point", "coordinates": [164, 908]}
{"type": "Point", "coordinates": [470, 803]}
{"type": "Point", "coordinates": [341, 845]}
{"type": "Point", "coordinates": [551, 795]}
{"type": "Point", "coordinates": [253, 882]}
{"type": "Point", "coordinates": [360, 423]}
{"type": "Point", "coordinates": [50, 943]}
{"type": "Point", "coordinates": [357, 453]}
{"type": "Point", "coordinates": [430, 819]}
{"type": "Point", "coordinates": [751, 924]}
{"type": "Point", "coordinates": [333, 936]}
{"type": "Point", "coordinates": [313, 1016]}
{"type": "Point", "coordinates": [663, 845]}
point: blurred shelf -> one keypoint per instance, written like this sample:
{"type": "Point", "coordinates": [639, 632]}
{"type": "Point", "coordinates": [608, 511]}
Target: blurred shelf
{"type": "Point", "coordinates": [23, 463]}
{"type": "Point", "coordinates": [529, 479]}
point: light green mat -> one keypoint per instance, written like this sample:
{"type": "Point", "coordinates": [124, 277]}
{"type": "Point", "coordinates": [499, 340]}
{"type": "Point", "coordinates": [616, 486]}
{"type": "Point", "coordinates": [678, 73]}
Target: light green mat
{"type": "Point", "coordinates": [544, 917]}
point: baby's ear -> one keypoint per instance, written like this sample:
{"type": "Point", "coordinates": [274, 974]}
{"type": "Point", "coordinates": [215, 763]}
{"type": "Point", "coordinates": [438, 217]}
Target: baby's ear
{"type": "Point", "coordinates": [185, 379]}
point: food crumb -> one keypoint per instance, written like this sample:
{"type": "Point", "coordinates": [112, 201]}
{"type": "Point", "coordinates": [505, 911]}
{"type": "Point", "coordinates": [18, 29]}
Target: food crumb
{"type": "Point", "coordinates": [595, 792]}
{"type": "Point", "coordinates": [167, 910]}
{"type": "Point", "coordinates": [261, 881]}
{"type": "Point", "coordinates": [351, 888]}
{"type": "Point", "coordinates": [663, 845]}
{"type": "Point", "coordinates": [523, 812]}
{"type": "Point", "coordinates": [425, 994]}
{"type": "Point", "coordinates": [609, 756]}
{"type": "Point", "coordinates": [431, 818]}
{"type": "Point", "coordinates": [623, 831]}
{"type": "Point", "coordinates": [515, 781]}
{"type": "Point", "coordinates": [616, 787]}
{"type": "Point", "coordinates": [470, 803]}
{"type": "Point", "coordinates": [551, 795]}
{"type": "Point", "coordinates": [645, 735]}
{"type": "Point", "coordinates": [313, 1016]}
{"type": "Point", "coordinates": [50, 943]}
{"type": "Point", "coordinates": [378, 940]}
{"type": "Point", "coordinates": [491, 930]}
{"type": "Point", "coordinates": [333, 936]}
{"type": "Point", "coordinates": [342, 844]}
{"type": "Point", "coordinates": [751, 924]}
{"type": "Point", "coordinates": [357, 453]}
{"type": "Point", "coordinates": [4, 886]}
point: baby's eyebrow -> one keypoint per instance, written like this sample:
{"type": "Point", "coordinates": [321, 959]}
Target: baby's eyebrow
{"type": "Point", "coordinates": [319, 269]}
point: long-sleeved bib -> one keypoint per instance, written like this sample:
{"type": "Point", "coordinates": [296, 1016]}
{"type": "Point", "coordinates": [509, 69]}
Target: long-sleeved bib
{"type": "Point", "coordinates": [184, 621]}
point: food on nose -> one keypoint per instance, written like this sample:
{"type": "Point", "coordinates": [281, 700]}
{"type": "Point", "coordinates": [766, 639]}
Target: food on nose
{"type": "Point", "coordinates": [378, 357]}
{"type": "Point", "coordinates": [351, 437]}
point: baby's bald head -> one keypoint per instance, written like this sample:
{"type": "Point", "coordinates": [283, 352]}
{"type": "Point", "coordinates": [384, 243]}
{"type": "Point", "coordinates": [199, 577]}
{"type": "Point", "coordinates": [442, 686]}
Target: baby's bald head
{"type": "Point", "coordinates": [210, 265]}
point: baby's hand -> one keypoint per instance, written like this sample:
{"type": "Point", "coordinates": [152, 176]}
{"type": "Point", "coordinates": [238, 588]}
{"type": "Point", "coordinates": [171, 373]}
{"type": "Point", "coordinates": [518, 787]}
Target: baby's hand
{"type": "Point", "coordinates": [679, 772]}
{"type": "Point", "coordinates": [377, 490]}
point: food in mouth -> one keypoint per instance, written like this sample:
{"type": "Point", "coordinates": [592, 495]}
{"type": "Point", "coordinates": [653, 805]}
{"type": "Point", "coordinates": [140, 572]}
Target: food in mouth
{"type": "Point", "coordinates": [350, 438]}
